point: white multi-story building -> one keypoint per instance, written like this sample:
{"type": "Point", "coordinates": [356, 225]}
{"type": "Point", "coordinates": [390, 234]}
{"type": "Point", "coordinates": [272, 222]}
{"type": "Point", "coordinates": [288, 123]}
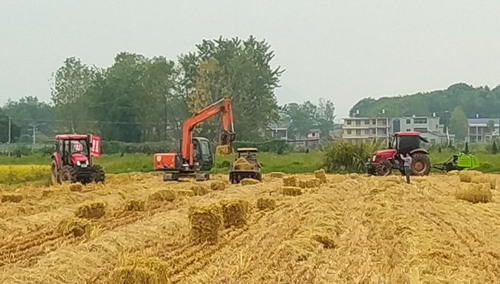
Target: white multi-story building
{"type": "Point", "coordinates": [482, 129]}
{"type": "Point", "coordinates": [366, 129]}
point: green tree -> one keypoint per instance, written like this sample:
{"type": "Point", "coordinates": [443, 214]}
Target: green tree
{"type": "Point", "coordinates": [69, 84]}
{"type": "Point", "coordinates": [29, 112]}
{"type": "Point", "coordinates": [491, 126]}
{"type": "Point", "coordinates": [458, 123]}
{"type": "Point", "coordinates": [494, 148]}
{"type": "Point", "coordinates": [4, 128]}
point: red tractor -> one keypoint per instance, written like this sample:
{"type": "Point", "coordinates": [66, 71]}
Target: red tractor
{"type": "Point", "coordinates": [382, 162]}
{"type": "Point", "coordinates": [72, 160]}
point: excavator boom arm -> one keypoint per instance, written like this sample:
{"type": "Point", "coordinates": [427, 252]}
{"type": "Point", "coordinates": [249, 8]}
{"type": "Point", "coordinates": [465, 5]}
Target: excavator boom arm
{"type": "Point", "coordinates": [227, 122]}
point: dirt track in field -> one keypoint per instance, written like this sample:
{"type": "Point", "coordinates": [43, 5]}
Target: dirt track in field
{"type": "Point", "coordinates": [353, 229]}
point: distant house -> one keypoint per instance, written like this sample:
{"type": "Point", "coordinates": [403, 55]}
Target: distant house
{"type": "Point", "coordinates": [281, 131]}
{"type": "Point", "coordinates": [278, 131]}
{"type": "Point", "coordinates": [482, 129]}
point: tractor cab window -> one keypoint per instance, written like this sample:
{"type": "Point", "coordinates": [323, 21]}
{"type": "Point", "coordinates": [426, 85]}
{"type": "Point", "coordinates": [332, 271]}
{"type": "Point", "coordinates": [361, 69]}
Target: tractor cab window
{"type": "Point", "coordinates": [78, 147]}
{"type": "Point", "coordinates": [205, 148]}
{"type": "Point", "coordinates": [408, 143]}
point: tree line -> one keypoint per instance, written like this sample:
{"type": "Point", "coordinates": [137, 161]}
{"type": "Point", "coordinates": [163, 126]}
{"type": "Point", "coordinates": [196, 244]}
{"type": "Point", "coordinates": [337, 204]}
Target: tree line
{"type": "Point", "coordinates": [453, 105]}
{"type": "Point", "coordinates": [139, 99]}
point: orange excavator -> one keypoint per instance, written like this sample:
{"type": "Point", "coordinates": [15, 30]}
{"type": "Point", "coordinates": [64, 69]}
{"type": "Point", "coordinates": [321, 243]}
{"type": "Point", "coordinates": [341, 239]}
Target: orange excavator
{"type": "Point", "coordinates": [196, 159]}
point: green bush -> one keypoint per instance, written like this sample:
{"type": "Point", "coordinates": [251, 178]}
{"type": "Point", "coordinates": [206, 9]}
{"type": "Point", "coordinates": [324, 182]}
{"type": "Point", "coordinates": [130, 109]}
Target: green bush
{"type": "Point", "coordinates": [343, 156]}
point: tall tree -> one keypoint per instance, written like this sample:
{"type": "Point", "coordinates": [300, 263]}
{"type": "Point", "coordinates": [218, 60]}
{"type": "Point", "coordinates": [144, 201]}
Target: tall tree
{"type": "Point", "coordinates": [458, 123]}
{"type": "Point", "coordinates": [30, 112]}
{"type": "Point", "coordinates": [69, 84]}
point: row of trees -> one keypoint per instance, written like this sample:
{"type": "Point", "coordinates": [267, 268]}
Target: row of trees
{"type": "Point", "coordinates": [452, 105]}
{"type": "Point", "coordinates": [139, 99]}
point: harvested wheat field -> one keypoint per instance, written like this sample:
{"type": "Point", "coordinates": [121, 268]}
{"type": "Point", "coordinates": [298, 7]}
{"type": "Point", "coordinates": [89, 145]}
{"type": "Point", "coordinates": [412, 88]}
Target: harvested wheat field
{"type": "Point", "coordinates": [345, 229]}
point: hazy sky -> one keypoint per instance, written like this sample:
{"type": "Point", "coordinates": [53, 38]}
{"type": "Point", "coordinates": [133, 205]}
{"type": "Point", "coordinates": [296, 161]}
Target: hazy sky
{"type": "Point", "coordinates": [339, 50]}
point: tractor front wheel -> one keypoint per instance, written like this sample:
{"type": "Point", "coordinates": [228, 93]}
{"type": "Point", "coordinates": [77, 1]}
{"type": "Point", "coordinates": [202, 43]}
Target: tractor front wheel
{"type": "Point", "coordinates": [98, 174]}
{"type": "Point", "coordinates": [68, 173]}
{"type": "Point", "coordinates": [420, 164]}
{"type": "Point", "coordinates": [383, 168]}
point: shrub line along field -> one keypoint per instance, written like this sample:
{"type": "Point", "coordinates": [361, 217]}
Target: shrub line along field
{"type": "Point", "coordinates": [305, 228]}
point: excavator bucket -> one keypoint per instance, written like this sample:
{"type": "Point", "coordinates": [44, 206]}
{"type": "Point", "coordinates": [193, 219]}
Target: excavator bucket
{"type": "Point", "coordinates": [226, 144]}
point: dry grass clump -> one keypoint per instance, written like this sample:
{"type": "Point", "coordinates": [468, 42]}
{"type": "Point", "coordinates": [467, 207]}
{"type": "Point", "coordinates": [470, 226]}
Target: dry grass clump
{"type": "Point", "coordinates": [51, 192]}
{"type": "Point", "coordinates": [324, 239]}
{"type": "Point", "coordinates": [474, 192]}
{"type": "Point", "coordinates": [162, 195]}
{"type": "Point", "coordinates": [277, 174]}
{"type": "Point", "coordinates": [184, 192]}
{"type": "Point", "coordinates": [242, 164]}
{"type": "Point", "coordinates": [143, 270]}
{"type": "Point", "coordinates": [78, 187]}
{"type": "Point", "coordinates": [264, 203]}
{"type": "Point", "coordinates": [218, 185]}
{"type": "Point", "coordinates": [299, 249]}
{"type": "Point", "coordinates": [249, 181]}
{"type": "Point", "coordinates": [291, 181]}
{"type": "Point", "coordinates": [206, 221]}
{"type": "Point", "coordinates": [135, 205]}
{"type": "Point", "coordinates": [12, 197]}
{"type": "Point", "coordinates": [223, 150]}
{"type": "Point", "coordinates": [321, 175]}
{"type": "Point", "coordinates": [234, 212]}
{"type": "Point", "coordinates": [291, 190]}
{"type": "Point", "coordinates": [198, 189]}
{"type": "Point", "coordinates": [91, 210]}
{"type": "Point", "coordinates": [75, 226]}
{"type": "Point", "coordinates": [309, 183]}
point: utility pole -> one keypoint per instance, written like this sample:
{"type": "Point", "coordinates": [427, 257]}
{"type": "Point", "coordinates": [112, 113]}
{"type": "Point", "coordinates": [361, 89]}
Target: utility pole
{"type": "Point", "coordinates": [10, 134]}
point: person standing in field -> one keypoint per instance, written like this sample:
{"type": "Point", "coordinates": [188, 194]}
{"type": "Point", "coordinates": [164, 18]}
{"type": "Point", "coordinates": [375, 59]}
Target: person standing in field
{"type": "Point", "coordinates": [407, 165]}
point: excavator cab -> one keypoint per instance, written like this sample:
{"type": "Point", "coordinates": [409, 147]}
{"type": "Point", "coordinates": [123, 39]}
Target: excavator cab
{"type": "Point", "coordinates": [202, 153]}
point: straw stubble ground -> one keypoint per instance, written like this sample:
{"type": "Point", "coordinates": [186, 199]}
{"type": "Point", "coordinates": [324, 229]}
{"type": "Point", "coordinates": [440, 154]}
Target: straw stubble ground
{"type": "Point", "coordinates": [352, 229]}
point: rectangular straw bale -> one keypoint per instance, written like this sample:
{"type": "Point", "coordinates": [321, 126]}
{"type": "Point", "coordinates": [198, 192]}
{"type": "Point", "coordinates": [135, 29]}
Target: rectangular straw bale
{"type": "Point", "coordinates": [183, 192]}
{"type": "Point", "coordinates": [248, 181]}
{"type": "Point", "coordinates": [135, 205]}
{"type": "Point", "coordinates": [474, 192]}
{"type": "Point", "coordinates": [466, 175]}
{"type": "Point", "coordinates": [162, 195]}
{"type": "Point", "coordinates": [223, 150]}
{"type": "Point", "coordinates": [309, 183]}
{"type": "Point", "coordinates": [234, 212]}
{"type": "Point", "coordinates": [139, 269]}
{"type": "Point", "coordinates": [321, 175]}
{"type": "Point", "coordinates": [133, 274]}
{"type": "Point", "coordinates": [291, 190]}
{"type": "Point", "coordinates": [277, 174]}
{"type": "Point", "coordinates": [12, 197]}
{"type": "Point", "coordinates": [91, 210]}
{"type": "Point", "coordinates": [290, 181]}
{"type": "Point", "coordinates": [217, 185]}
{"type": "Point", "coordinates": [206, 221]}
{"type": "Point", "coordinates": [198, 189]}
{"type": "Point", "coordinates": [264, 203]}
{"type": "Point", "coordinates": [78, 187]}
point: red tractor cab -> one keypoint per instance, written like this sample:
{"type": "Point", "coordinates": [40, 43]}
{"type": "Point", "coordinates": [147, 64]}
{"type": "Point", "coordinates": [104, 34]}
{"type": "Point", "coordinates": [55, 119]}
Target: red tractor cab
{"type": "Point", "coordinates": [72, 160]}
{"type": "Point", "coordinates": [382, 162]}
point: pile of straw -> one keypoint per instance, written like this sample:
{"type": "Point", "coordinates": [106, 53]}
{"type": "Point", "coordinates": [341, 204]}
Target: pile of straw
{"type": "Point", "coordinates": [249, 181]}
{"type": "Point", "coordinates": [183, 192]}
{"type": "Point", "coordinates": [143, 270]}
{"type": "Point", "coordinates": [321, 175]}
{"type": "Point", "coordinates": [325, 240]}
{"type": "Point", "coordinates": [277, 174]}
{"type": "Point", "coordinates": [162, 195]}
{"type": "Point", "coordinates": [300, 249]}
{"type": "Point", "coordinates": [265, 203]}
{"type": "Point", "coordinates": [218, 185]}
{"type": "Point", "coordinates": [223, 150]}
{"type": "Point", "coordinates": [51, 192]}
{"type": "Point", "coordinates": [91, 210]}
{"type": "Point", "coordinates": [478, 177]}
{"type": "Point", "coordinates": [474, 192]}
{"type": "Point", "coordinates": [291, 181]}
{"type": "Point", "coordinates": [12, 197]}
{"type": "Point", "coordinates": [242, 164]}
{"type": "Point", "coordinates": [75, 226]}
{"type": "Point", "coordinates": [234, 212]}
{"type": "Point", "coordinates": [206, 221]}
{"type": "Point", "coordinates": [135, 205]}
{"type": "Point", "coordinates": [198, 189]}
{"type": "Point", "coordinates": [78, 187]}
{"type": "Point", "coordinates": [291, 190]}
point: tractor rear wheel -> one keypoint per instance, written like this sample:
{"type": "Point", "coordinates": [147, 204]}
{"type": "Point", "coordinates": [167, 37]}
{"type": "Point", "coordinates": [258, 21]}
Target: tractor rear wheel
{"type": "Point", "coordinates": [54, 173]}
{"type": "Point", "coordinates": [420, 164]}
{"type": "Point", "coordinates": [98, 174]}
{"type": "Point", "coordinates": [68, 173]}
{"type": "Point", "coordinates": [383, 168]}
